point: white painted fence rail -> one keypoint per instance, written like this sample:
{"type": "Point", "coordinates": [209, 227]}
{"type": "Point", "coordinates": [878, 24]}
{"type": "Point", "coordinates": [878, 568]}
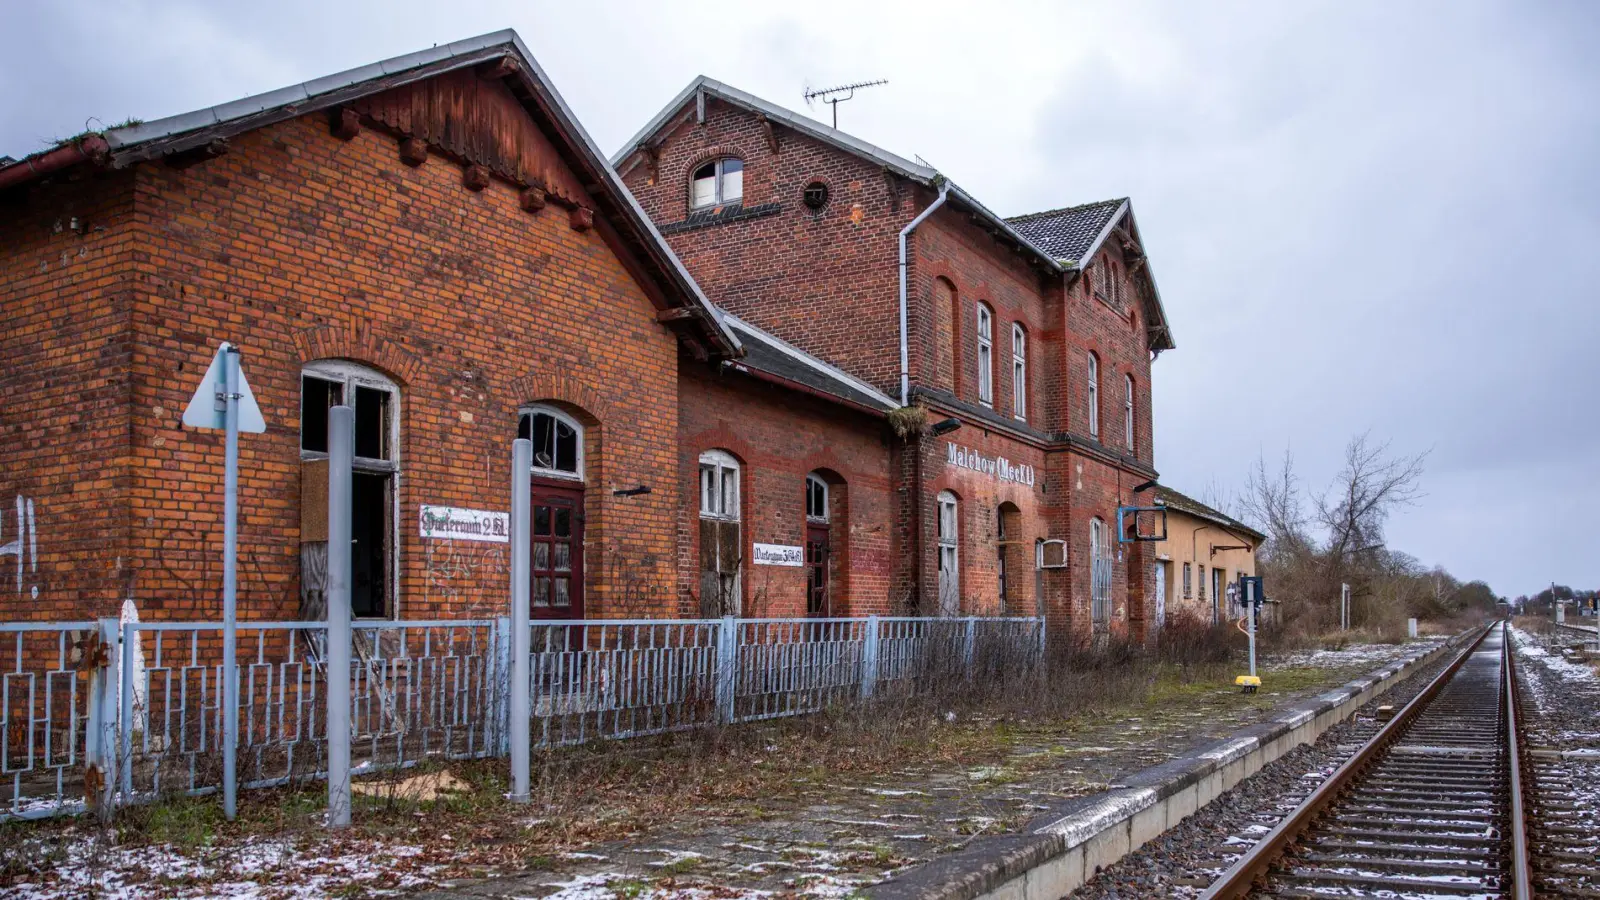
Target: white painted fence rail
{"type": "Point", "coordinates": [132, 710]}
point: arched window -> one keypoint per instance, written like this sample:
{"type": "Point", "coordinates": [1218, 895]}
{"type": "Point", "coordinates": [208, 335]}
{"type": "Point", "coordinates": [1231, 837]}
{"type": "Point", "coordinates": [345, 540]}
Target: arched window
{"type": "Point", "coordinates": [818, 549]}
{"type": "Point", "coordinates": [1094, 396]}
{"type": "Point", "coordinates": [985, 355]}
{"type": "Point", "coordinates": [1009, 559]}
{"type": "Point", "coordinates": [374, 562]}
{"type": "Point", "coordinates": [1019, 371]}
{"type": "Point", "coordinates": [949, 555]}
{"type": "Point", "coordinates": [721, 539]}
{"type": "Point", "coordinates": [1127, 413]}
{"type": "Point", "coordinates": [1100, 573]}
{"type": "Point", "coordinates": [557, 441]}
{"type": "Point", "coordinates": [816, 499]}
{"type": "Point", "coordinates": [716, 183]}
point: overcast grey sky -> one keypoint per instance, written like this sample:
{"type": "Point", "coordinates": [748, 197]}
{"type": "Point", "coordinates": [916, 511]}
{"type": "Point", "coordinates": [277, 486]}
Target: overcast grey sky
{"type": "Point", "coordinates": [1361, 215]}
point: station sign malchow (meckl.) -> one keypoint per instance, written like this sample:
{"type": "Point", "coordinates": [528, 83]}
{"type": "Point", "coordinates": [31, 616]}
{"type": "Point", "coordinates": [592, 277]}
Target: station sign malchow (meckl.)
{"type": "Point", "coordinates": [997, 467]}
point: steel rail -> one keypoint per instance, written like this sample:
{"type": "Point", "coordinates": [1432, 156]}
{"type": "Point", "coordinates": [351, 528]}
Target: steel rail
{"type": "Point", "coordinates": [1521, 868]}
{"type": "Point", "coordinates": [1242, 877]}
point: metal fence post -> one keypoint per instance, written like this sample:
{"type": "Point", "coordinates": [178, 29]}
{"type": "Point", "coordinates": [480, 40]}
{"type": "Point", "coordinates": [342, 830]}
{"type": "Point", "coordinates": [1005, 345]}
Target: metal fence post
{"type": "Point", "coordinates": [499, 679]}
{"type": "Point", "coordinates": [102, 722]}
{"type": "Point", "coordinates": [869, 660]}
{"type": "Point", "coordinates": [341, 452]}
{"type": "Point", "coordinates": [519, 722]}
{"type": "Point", "coordinates": [969, 645]}
{"type": "Point", "coordinates": [727, 668]}
{"type": "Point", "coordinates": [125, 692]}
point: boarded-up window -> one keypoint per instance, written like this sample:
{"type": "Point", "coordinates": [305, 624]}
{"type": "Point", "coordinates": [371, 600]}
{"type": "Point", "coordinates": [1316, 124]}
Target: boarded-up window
{"type": "Point", "coordinates": [721, 544]}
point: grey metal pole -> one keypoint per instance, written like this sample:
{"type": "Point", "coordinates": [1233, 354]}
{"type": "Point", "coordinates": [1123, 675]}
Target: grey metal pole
{"type": "Point", "coordinates": [1250, 600]}
{"type": "Point", "coordinates": [341, 452]}
{"type": "Point", "coordinates": [230, 582]}
{"type": "Point", "coordinates": [519, 724]}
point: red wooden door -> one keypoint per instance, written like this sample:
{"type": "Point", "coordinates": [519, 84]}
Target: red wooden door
{"type": "Point", "coordinates": [557, 590]}
{"type": "Point", "coordinates": [817, 600]}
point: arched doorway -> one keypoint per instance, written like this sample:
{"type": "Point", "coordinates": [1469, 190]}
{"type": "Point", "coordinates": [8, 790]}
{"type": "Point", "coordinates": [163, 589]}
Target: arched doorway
{"type": "Point", "coordinates": [557, 494]}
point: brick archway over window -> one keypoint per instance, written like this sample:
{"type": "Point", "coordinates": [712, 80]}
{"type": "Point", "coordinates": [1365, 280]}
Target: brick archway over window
{"type": "Point", "coordinates": [535, 387]}
{"type": "Point", "coordinates": [360, 342]}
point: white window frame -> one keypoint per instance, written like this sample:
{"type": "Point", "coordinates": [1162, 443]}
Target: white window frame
{"type": "Point", "coordinates": [570, 422]}
{"type": "Point", "coordinates": [1019, 371]}
{"type": "Point", "coordinates": [1094, 396]}
{"type": "Point", "coordinates": [1100, 572]}
{"type": "Point", "coordinates": [353, 375]}
{"type": "Point", "coordinates": [717, 468]}
{"type": "Point", "coordinates": [985, 355]}
{"type": "Point", "coordinates": [949, 541]}
{"type": "Point", "coordinates": [1127, 408]}
{"type": "Point", "coordinates": [815, 482]}
{"type": "Point", "coordinates": [719, 183]}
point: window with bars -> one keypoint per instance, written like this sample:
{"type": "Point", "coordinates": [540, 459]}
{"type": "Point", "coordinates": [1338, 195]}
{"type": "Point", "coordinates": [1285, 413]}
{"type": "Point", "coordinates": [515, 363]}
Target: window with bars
{"type": "Point", "coordinates": [1100, 573]}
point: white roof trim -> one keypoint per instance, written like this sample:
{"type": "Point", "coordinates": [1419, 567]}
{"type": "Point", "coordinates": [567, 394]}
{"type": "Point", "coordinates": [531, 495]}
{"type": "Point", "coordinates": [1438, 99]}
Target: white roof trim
{"type": "Point", "coordinates": [810, 361]}
{"type": "Point", "coordinates": [798, 122]}
{"type": "Point", "coordinates": [811, 127]}
{"type": "Point", "coordinates": [1099, 241]}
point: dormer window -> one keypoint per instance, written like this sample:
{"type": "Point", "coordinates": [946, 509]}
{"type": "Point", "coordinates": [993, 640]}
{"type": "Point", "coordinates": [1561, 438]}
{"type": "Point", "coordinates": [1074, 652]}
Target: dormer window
{"type": "Point", "coordinates": [717, 183]}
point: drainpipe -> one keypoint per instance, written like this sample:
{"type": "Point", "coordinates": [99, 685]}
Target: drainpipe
{"type": "Point", "coordinates": [905, 359]}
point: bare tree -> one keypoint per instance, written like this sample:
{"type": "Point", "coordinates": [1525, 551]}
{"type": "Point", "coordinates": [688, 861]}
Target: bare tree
{"type": "Point", "coordinates": [1372, 485]}
{"type": "Point", "coordinates": [1272, 501]}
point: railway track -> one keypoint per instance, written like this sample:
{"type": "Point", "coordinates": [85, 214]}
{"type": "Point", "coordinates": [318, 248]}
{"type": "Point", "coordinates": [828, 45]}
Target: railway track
{"type": "Point", "coordinates": [1431, 806]}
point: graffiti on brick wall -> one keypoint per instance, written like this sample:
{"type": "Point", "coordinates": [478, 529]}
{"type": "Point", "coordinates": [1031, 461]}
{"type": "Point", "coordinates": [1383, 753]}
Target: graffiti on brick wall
{"type": "Point", "coordinates": [25, 546]}
{"type": "Point", "coordinates": [454, 570]}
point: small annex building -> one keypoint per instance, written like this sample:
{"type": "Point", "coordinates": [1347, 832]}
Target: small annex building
{"type": "Point", "coordinates": [1205, 552]}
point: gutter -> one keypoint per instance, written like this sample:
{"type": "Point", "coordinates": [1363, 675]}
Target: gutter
{"type": "Point", "coordinates": [90, 147]}
{"type": "Point", "coordinates": [905, 359]}
{"type": "Point", "coordinates": [761, 375]}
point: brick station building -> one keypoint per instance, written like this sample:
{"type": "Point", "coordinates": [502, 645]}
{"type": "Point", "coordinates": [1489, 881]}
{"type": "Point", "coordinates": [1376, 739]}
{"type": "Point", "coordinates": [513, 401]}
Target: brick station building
{"type": "Point", "coordinates": [435, 240]}
{"type": "Point", "coordinates": [1026, 345]}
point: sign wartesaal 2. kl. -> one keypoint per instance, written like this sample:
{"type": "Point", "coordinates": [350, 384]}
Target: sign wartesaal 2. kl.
{"type": "Point", "coordinates": [779, 555]}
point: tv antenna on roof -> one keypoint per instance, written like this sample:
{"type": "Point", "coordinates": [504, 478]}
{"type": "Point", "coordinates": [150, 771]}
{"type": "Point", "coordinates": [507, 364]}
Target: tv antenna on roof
{"type": "Point", "coordinates": [830, 95]}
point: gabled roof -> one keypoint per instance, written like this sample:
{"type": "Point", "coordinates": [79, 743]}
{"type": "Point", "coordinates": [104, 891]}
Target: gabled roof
{"type": "Point", "coordinates": [128, 145]}
{"type": "Point", "coordinates": [1073, 233]}
{"type": "Point", "coordinates": [1060, 240]}
{"type": "Point", "coordinates": [1185, 504]}
{"type": "Point", "coordinates": [766, 353]}
{"type": "Point", "coordinates": [703, 87]}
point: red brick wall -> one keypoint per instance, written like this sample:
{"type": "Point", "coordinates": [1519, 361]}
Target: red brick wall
{"type": "Point", "coordinates": [299, 246]}
{"type": "Point", "coordinates": [65, 297]}
{"type": "Point", "coordinates": [949, 250]}
{"type": "Point", "coordinates": [779, 437]}
{"type": "Point", "coordinates": [1118, 338]}
{"type": "Point", "coordinates": [792, 272]}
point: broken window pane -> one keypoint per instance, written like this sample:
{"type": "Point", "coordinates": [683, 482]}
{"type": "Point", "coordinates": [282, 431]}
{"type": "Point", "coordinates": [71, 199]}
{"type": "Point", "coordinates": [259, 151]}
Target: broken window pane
{"type": "Point", "coordinates": [705, 186]}
{"type": "Point", "coordinates": [566, 448]}
{"type": "Point", "coordinates": [541, 520]}
{"type": "Point", "coordinates": [316, 398]}
{"type": "Point", "coordinates": [372, 423]}
{"type": "Point", "coordinates": [563, 523]}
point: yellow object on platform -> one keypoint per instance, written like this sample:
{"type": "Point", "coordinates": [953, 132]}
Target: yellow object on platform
{"type": "Point", "coordinates": [1248, 682]}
